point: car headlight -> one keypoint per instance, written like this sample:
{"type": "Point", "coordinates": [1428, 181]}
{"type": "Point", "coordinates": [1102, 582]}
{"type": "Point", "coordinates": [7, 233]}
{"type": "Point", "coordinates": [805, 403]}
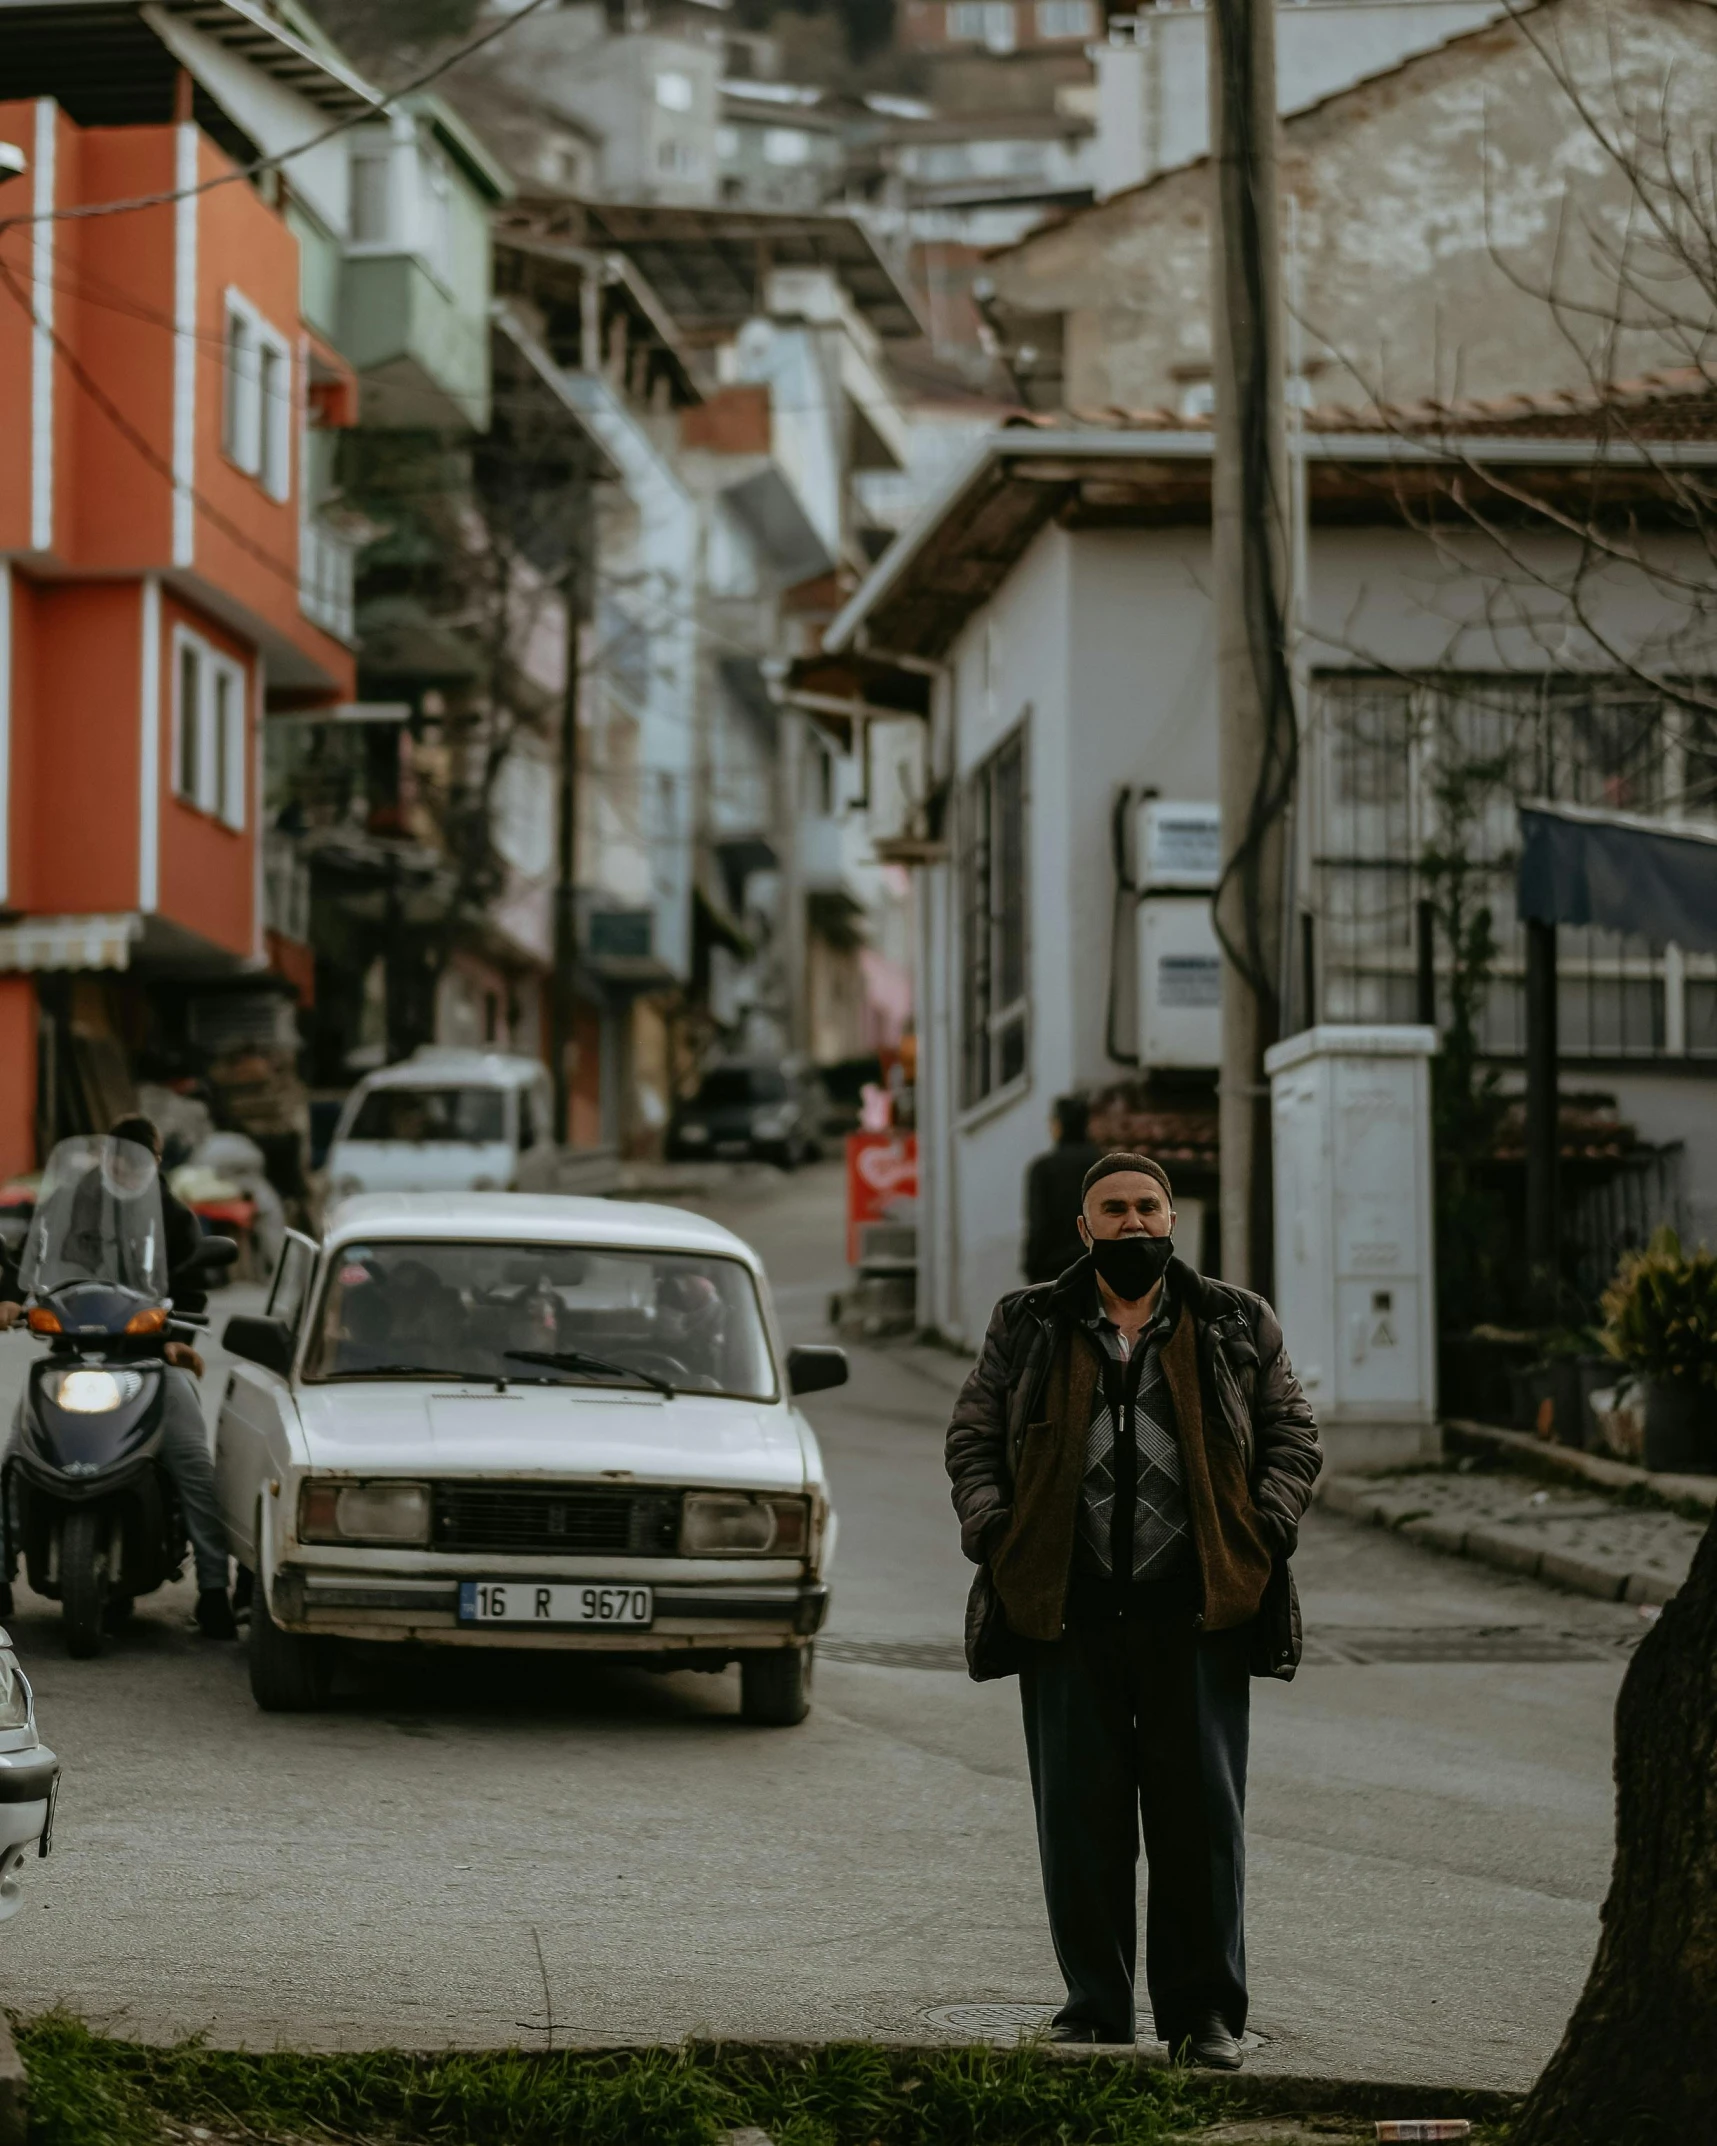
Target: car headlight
{"type": "Point", "coordinates": [732, 1524]}
{"type": "Point", "coordinates": [694, 1135]}
{"type": "Point", "coordinates": [771, 1122]}
{"type": "Point", "coordinates": [91, 1391]}
{"type": "Point", "coordinates": [14, 1692]}
{"type": "Point", "coordinates": [380, 1513]}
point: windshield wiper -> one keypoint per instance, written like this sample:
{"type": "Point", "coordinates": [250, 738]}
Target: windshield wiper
{"type": "Point", "coordinates": [416, 1371]}
{"type": "Point", "coordinates": [582, 1360]}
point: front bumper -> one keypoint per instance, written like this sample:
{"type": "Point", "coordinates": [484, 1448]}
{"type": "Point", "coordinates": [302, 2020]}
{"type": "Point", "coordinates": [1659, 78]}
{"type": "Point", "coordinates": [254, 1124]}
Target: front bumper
{"type": "Point", "coordinates": [692, 1617]}
{"type": "Point", "coordinates": [29, 1790]}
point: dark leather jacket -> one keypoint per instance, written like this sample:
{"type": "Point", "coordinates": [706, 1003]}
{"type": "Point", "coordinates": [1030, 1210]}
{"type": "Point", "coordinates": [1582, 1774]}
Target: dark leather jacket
{"type": "Point", "coordinates": [1254, 1419]}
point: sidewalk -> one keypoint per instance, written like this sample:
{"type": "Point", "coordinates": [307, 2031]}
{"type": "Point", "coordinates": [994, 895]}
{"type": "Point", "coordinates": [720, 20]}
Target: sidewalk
{"type": "Point", "coordinates": [1595, 1538]}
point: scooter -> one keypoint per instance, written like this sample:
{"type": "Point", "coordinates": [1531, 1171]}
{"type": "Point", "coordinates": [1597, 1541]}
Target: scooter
{"type": "Point", "coordinates": [90, 1503]}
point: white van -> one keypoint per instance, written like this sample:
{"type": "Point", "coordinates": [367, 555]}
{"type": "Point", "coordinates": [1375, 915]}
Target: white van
{"type": "Point", "coordinates": [446, 1121]}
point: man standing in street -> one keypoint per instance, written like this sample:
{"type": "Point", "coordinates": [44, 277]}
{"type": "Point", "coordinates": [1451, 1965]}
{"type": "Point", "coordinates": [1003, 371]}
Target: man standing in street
{"type": "Point", "coordinates": [1052, 1185]}
{"type": "Point", "coordinates": [1130, 1459]}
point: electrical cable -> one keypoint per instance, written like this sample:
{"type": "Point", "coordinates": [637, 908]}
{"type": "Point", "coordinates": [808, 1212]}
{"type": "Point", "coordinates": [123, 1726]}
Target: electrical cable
{"type": "Point", "coordinates": [259, 165]}
{"type": "Point", "coordinates": [1260, 512]}
{"type": "Point", "coordinates": [1125, 886]}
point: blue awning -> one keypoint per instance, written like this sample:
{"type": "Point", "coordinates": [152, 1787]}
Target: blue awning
{"type": "Point", "coordinates": [1654, 878]}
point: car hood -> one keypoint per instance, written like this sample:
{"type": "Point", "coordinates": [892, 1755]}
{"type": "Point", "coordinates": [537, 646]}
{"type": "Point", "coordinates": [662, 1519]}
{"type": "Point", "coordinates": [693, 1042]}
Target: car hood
{"type": "Point", "coordinates": [562, 1431]}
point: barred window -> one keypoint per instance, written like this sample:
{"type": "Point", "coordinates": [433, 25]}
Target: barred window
{"type": "Point", "coordinates": [994, 973]}
{"type": "Point", "coordinates": [1416, 787]}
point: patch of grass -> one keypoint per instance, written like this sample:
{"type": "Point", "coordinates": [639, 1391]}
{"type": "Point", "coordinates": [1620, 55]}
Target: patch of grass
{"type": "Point", "coordinates": [86, 2090]}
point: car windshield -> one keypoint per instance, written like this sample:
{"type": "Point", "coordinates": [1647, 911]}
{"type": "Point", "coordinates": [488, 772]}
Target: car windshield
{"type": "Point", "coordinates": [729, 1085]}
{"type": "Point", "coordinates": [97, 1219]}
{"type": "Point", "coordinates": [475, 1116]}
{"type": "Point", "coordinates": [494, 1311]}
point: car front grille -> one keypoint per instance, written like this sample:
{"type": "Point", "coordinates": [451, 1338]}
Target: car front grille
{"type": "Point", "coordinates": [522, 1519]}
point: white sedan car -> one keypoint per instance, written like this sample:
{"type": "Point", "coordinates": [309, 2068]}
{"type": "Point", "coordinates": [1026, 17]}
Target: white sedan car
{"type": "Point", "coordinates": [498, 1420]}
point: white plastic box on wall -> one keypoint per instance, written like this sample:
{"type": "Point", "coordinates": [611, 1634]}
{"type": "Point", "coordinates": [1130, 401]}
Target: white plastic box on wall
{"type": "Point", "coordinates": [1180, 982]}
{"type": "Point", "coordinates": [1178, 844]}
{"type": "Point", "coordinates": [1355, 1243]}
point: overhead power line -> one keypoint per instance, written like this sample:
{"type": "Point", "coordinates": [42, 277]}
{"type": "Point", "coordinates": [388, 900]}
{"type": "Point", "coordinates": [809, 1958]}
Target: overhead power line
{"type": "Point", "coordinates": [261, 164]}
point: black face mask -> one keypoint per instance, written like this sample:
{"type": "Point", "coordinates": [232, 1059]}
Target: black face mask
{"type": "Point", "coordinates": [1132, 1266]}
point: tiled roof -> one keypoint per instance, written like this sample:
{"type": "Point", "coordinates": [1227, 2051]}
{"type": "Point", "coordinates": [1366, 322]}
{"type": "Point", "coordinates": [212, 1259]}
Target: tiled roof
{"type": "Point", "coordinates": [1676, 404]}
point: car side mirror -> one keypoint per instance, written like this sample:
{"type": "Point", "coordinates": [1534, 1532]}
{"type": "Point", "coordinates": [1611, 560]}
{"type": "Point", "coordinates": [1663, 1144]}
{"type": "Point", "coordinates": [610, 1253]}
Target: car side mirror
{"type": "Point", "coordinates": [267, 1342]}
{"type": "Point", "coordinates": [810, 1370]}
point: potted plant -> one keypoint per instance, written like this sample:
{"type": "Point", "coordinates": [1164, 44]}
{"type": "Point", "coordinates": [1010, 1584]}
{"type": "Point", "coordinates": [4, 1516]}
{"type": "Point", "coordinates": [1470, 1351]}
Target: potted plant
{"type": "Point", "coordinates": [1661, 1320]}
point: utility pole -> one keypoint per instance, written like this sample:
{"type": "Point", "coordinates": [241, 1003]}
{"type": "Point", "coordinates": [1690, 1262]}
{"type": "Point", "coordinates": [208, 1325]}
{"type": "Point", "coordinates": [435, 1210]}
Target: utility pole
{"type": "Point", "coordinates": [1251, 542]}
{"type": "Point", "coordinates": [1543, 1132]}
{"type": "Point", "coordinates": [563, 999]}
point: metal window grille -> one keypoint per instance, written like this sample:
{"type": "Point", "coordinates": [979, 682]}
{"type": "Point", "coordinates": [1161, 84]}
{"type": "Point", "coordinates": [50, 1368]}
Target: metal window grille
{"type": "Point", "coordinates": [1411, 774]}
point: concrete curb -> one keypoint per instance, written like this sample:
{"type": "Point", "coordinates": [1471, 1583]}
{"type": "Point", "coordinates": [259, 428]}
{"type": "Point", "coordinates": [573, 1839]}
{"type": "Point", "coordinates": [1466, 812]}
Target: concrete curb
{"type": "Point", "coordinates": [14, 2091]}
{"type": "Point", "coordinates": [1355, 1499]}
{"type": "Point", "coordinates": [1267, 2092]}
{"type": "Point", "coordinates": [1546, 1458]}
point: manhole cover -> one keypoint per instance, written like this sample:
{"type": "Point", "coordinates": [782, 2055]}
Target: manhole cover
{"type": "Point", "coordinates": [1003, 2022]}
{"type": "Point", "coordinates": [990, 2022]}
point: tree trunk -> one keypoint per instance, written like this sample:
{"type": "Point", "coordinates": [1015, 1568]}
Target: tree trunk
{"type": "Point", "coordinates": [1638, 2063]}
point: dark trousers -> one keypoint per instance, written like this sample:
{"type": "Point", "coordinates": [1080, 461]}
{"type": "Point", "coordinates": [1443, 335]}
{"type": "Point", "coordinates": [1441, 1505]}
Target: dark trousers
{"type": "Point", "coordinates": [1129, 1721]}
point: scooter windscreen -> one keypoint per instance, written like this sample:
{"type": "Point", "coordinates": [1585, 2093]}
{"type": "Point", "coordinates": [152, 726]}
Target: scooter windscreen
{"type": "Point", "coordinates": [95, 1260]}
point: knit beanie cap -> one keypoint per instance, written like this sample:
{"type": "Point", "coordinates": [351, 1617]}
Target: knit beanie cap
{"type": "Point", "coordinates": [1120, 1159]}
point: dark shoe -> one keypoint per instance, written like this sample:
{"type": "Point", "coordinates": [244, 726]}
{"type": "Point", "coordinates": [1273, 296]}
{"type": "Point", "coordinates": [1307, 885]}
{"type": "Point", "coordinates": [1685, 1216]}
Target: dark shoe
{"type": "Point", "coordinates": [215, 1614]}
{"type": "Point", "coordinates": [1076, 2032]}
{"type": "Point", "coordinates": [1211, 2045]}
{"type": "Point", "coordinates": [5, 1598]}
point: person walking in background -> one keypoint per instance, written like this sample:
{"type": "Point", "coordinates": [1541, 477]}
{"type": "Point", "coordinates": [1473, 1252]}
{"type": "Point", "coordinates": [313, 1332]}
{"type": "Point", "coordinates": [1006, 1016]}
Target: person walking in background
{"type": "Point", "coordinates": [1052, 1182]}
{"type": "Point", "coordinates": [1130, 1458]}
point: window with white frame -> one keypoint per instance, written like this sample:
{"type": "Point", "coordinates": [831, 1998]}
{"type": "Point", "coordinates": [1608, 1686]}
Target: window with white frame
{"type": "Point", "coordinates": [435, 206]}
{"type": "Point", "coordinates": [373, 193]}
{"type": "Point", "coordinates": [209, 729]}
{"type": "Point", "coordinates": [786, 145]}
{"type": "Point", "coordinates": [982, 22]}
{"type": "Point", "coordinates": [994, 972]}
{"type": "Point", "coordinates": [1063, 18]}
{"type": "Point", "coordinates": [256, 407]}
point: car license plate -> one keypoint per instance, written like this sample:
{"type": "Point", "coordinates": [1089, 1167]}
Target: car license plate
{"type": "Point", "coordinates": [554, 1602]}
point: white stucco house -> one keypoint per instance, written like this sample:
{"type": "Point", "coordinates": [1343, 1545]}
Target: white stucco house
{"type": "Point", "coordinates": [1050, 612]}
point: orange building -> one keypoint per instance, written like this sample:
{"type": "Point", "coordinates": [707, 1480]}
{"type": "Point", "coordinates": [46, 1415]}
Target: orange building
{"type": "Point", "coordinates": [158, 583]}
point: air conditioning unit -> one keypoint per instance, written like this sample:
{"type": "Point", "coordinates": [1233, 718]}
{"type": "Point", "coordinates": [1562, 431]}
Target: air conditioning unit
{"type": "Point", "coordinates": [1178, 845]}
{"type": "Point", "coordinates": [1180, 982]}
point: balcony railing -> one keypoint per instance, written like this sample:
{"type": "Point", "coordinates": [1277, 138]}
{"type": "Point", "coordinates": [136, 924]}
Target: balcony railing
{"type": "Point", "coordinates": [327, 560]}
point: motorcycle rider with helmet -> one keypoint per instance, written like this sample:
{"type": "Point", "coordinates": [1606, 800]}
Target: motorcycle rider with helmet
{"type": "Point", "coordinates": [185, 1442]}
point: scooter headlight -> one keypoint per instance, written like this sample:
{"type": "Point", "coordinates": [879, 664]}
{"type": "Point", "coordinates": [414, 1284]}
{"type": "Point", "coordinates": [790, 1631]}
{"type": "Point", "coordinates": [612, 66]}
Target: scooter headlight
{"type": "Point", "coordinates": [90, 1391]}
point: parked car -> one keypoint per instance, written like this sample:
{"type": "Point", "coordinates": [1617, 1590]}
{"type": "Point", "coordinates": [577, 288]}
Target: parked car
{"type": "Point", "coordinates": [446, 1121]}
{"type": "Point", "coordinates": [29, 1781]}
{"type": "Point", "coordinates": [772, 1112]}
{"type": "Point", "coordinates": [844, 1082]}
{"type": "Point", "coordinates": [479, 1421]}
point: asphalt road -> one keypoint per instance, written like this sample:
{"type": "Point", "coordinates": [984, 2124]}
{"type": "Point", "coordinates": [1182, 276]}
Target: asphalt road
{"type": "Point", "coordinates": [1430, 1814]}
